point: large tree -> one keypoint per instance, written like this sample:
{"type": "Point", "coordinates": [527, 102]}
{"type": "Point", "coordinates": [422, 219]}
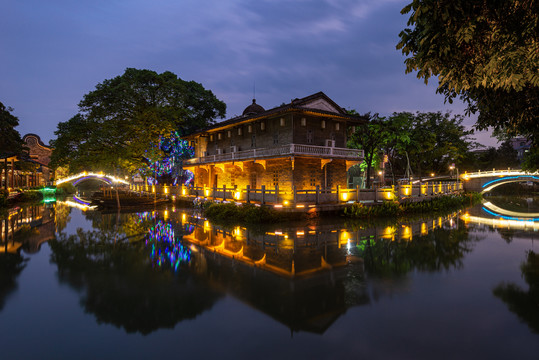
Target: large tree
{"type": "Point", "coordinates": [485, 52]}
{"type": "Point", "coordinates": [369, 137]}
{"type": "Point", "coordinates": [11, 143]}
{"type": "Point", "coordinates": [119, 120]}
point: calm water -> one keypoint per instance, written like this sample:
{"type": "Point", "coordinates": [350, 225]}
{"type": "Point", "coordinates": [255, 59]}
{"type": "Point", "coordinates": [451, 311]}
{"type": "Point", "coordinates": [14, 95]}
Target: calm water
{"type": "Point", "coordinates": [81, 284]}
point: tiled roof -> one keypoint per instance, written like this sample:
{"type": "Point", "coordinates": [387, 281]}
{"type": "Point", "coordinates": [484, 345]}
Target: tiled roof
{"type": "Point", "coordinates": [294, 105]}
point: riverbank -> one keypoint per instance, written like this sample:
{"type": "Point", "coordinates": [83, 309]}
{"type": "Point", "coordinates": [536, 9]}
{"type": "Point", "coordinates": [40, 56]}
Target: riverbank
{"type": "Point", "coordinates": [232, 214]}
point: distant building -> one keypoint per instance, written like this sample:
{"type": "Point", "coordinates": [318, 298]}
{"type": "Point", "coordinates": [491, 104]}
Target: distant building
{"type": "Point", "coordinates": [40, 155]}
{"type": "Point", "coordinates": [521, 146]}
{"type": "Point", "coordinates": [301, 144]}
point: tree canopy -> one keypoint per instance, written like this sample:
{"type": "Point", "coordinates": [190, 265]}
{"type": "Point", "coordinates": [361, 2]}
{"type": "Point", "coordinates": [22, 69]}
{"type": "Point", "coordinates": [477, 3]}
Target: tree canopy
{"type": "Point", "coordinates": [485, 52]}
{"type": "Point", "coordinates": [423, 142]}
{"type": "Point", "coordinates": [10, 141]}
{"type": "Point", "coordinates": [121, 119]}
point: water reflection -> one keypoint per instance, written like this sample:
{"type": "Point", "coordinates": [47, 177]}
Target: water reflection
{"type": "Point", "coordinates": [149, 270]}
{"type": "Point", "coordinates": [525, 304]}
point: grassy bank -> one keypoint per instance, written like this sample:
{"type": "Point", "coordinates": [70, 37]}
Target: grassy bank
{"type": "Point", "coordinates": [394, 209]}
{"type": "Point", "coordinates": [231, 214]}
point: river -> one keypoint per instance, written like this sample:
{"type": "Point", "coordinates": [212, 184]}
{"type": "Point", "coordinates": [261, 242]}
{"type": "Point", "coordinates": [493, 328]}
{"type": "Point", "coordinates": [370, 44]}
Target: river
{"type": "Point", "coordinates": [77, 283]}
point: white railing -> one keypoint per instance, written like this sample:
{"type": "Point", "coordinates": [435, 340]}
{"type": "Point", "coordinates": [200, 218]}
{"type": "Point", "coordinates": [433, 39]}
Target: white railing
{"type": "Point", "coordinates": [290, 149]}
{"type": "Point", "coordinates": [496, 173]}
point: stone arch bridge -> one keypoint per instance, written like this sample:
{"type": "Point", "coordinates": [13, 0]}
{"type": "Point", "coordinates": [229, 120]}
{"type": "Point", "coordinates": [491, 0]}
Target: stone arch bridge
{"type": "Point", "coordinates": [484, 181]}
{"type": "Point", "coordinates": [83, 176]}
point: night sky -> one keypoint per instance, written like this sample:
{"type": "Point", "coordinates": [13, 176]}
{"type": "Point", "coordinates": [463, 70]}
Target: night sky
{"type": "Point", "coordinates": [53, 52]}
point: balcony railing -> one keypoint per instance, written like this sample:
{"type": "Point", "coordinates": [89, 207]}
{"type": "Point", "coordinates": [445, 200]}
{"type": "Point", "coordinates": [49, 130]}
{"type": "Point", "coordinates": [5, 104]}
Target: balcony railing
{"type": "Point", "coordinates": [285, 150]}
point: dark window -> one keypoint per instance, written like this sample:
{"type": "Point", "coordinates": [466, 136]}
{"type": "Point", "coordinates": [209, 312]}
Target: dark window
{"type": "Point", "coordinates": [309, 137]}
{"type": "Point", "coordinates": [253, 141]}
{"type": "Point", "coordinates": [276, 178]}
{"type": "Point", "coordinates": [276, 138]}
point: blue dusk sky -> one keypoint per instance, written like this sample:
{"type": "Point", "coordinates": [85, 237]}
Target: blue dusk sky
{"type": "Point", "coordinates": [53, 52]}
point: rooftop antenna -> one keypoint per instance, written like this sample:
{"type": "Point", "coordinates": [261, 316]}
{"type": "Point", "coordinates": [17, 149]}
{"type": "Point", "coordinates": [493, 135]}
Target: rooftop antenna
{"type": "Point", "coordinates": [254, 90]}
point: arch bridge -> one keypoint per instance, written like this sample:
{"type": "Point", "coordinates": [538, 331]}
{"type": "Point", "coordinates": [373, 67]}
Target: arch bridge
{"type": "Point", "coordinates": [484, 181]}
{"type": "Point", "coordinates": [83, 176]}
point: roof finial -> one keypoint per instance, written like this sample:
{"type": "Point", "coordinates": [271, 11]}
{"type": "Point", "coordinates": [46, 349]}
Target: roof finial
{"type": "Point", "coordinates": [254, 91]}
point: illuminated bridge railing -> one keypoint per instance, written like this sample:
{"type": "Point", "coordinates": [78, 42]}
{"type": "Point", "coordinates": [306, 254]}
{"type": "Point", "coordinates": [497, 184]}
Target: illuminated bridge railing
{"type": "Point", "coordinates": [84, 175]}
{"type": "Point", "coordinates": [497, 173]}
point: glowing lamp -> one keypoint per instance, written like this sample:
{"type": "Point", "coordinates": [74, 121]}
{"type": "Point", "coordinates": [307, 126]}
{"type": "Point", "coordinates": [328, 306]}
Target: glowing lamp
{"type": "Point", "coordinates": [285, 203]}
{"type": "Point", "coordinates": [237, 195]}
{"type": "Point", "coordinates": [344, 196]}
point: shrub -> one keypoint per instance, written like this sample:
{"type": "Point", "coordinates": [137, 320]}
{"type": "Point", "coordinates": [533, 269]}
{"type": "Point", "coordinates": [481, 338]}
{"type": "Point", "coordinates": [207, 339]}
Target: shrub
{"type": "Point", "coordinates": [229, 213]}
{"type": "Point", "coordinates": [393, 208]}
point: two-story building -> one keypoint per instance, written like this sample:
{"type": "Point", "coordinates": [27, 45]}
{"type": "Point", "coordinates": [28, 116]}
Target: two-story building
{"type": "Point", "coordinates": [301, 144]}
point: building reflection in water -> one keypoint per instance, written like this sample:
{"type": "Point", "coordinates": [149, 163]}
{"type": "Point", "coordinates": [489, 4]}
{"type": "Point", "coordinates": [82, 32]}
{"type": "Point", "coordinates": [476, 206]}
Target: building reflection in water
{"type": "Point", "coordinates": [150, 270]}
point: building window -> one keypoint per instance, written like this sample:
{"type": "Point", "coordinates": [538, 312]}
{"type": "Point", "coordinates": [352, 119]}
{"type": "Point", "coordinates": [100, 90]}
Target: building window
{"type": "Point", "coordinates": [282, 121]}
{"type": "Point", "coordinates": [232, 180]}
{"type": "Point", "coordinates": [219, 136]}
{"type": "Point", "coordinates": [239, 131]}
{"type": "Point", "coordinates": [252, 180]}
{"type": "Point", "coordinates": [275, 178]}
{"type": "Point", "coordinates": [309, 137]}
{"type": "Point", "coordinates": [303, 122]}
{"type": "Point", "coordinates": [312, 179]}
{"type": "Point", "coordinates": [262, 126]}
{"type": "Point", "coordinates": [275, 138]}
{"type": "Point", "coordinates": [250, 128]}
{"type": "Point", "coordinates": [323, 124]}
{"type": "Point", "coordinates": [337, 126]}
{"type": "Point", "coordinates": [229, 133]}
{"type": "Point", "coordinates": [211, 138]}
{"type": "Point", "coordinates": [253, 141]}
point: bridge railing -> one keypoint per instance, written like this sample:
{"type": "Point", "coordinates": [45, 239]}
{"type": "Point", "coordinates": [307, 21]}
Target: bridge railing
{"type": "Point", "coordinates": [495, 172]}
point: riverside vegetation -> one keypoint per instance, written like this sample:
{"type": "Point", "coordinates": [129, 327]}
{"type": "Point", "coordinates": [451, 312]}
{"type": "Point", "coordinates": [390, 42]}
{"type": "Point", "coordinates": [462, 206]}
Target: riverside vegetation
{"type": "Point", "coordinates": [230, 213]}
{"type": "Point", "coordinates": [395, 209]}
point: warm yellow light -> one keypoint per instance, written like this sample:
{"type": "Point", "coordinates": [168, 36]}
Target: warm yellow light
{"type": "Point", "coordinates": [153, 188]}
{"type": "Point", "coordinates": [206, 225]}
{"type": "Point", "coordinates": [431, 174]}
{"type": "Point", "coordinates": [184, 217]}
{"type": "Point", "coordinates": [278, 206]}
{"type": "Point", "coordinates": [207, 192]}
{"type": "Point", "coordinates": [237, 231]}
{"type": "Point", "coordinates": [237, 195]}
{"type": "Point", "coordinates": [300, 206]}
{"type": "Point", "coordinates": [344, 196]}
{"type": "Point", "coordinates": [379, 173]}
{"type": "Point", "coordinates": [285, 203]}
{"type": "Point", "coordinates": [389, 195]}
{"type": "Point", "coordinates": [300, 233]}
{"type": "Point", "coordinates": [166, 215]}
{"type": "Point", "coordinates": [166, 190]}
{"type": "Point", "coordinates": [184, 191]}
{"type": "Point", "coordinates": [424, 229]}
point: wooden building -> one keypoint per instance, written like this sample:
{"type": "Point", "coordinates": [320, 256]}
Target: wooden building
{"type": "Point", "coordinates": [299, 145]}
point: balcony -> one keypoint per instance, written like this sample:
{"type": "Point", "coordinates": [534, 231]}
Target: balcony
{"type": "Point", "coordinates": [282, 151]}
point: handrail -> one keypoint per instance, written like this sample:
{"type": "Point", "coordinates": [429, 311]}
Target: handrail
{"type": "Point", "coordinates": [290, 149]}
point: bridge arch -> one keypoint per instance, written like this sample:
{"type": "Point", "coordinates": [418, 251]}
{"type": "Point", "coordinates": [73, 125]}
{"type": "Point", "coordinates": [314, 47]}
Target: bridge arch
{"type": "Point", "coordinates": [489, 185]}
{"type": "Point", "coordinates": [108, 179]}
{"type": "Point", "coordinates": [485, 181]}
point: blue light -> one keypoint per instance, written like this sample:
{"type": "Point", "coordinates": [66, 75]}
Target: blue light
{"type": "Point", "coordinates": [509, 217]}
{"type": "Point", "coordinates": [510, 178]}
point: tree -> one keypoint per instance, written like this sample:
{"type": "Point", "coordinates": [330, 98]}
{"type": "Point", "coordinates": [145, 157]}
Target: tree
{"type": "Point", "coordinates": [369, 137]}
{"type": "Point", "coordinates": [119, 120]}
{"type": "Point", "coordinates": [11, 143]}
{"type": "Point", "coordinates": [485, 52]}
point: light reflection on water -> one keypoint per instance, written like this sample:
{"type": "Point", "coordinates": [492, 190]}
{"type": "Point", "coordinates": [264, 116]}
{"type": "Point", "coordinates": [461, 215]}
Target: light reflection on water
{"type": "Point", "coordinates": [145, 272]}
